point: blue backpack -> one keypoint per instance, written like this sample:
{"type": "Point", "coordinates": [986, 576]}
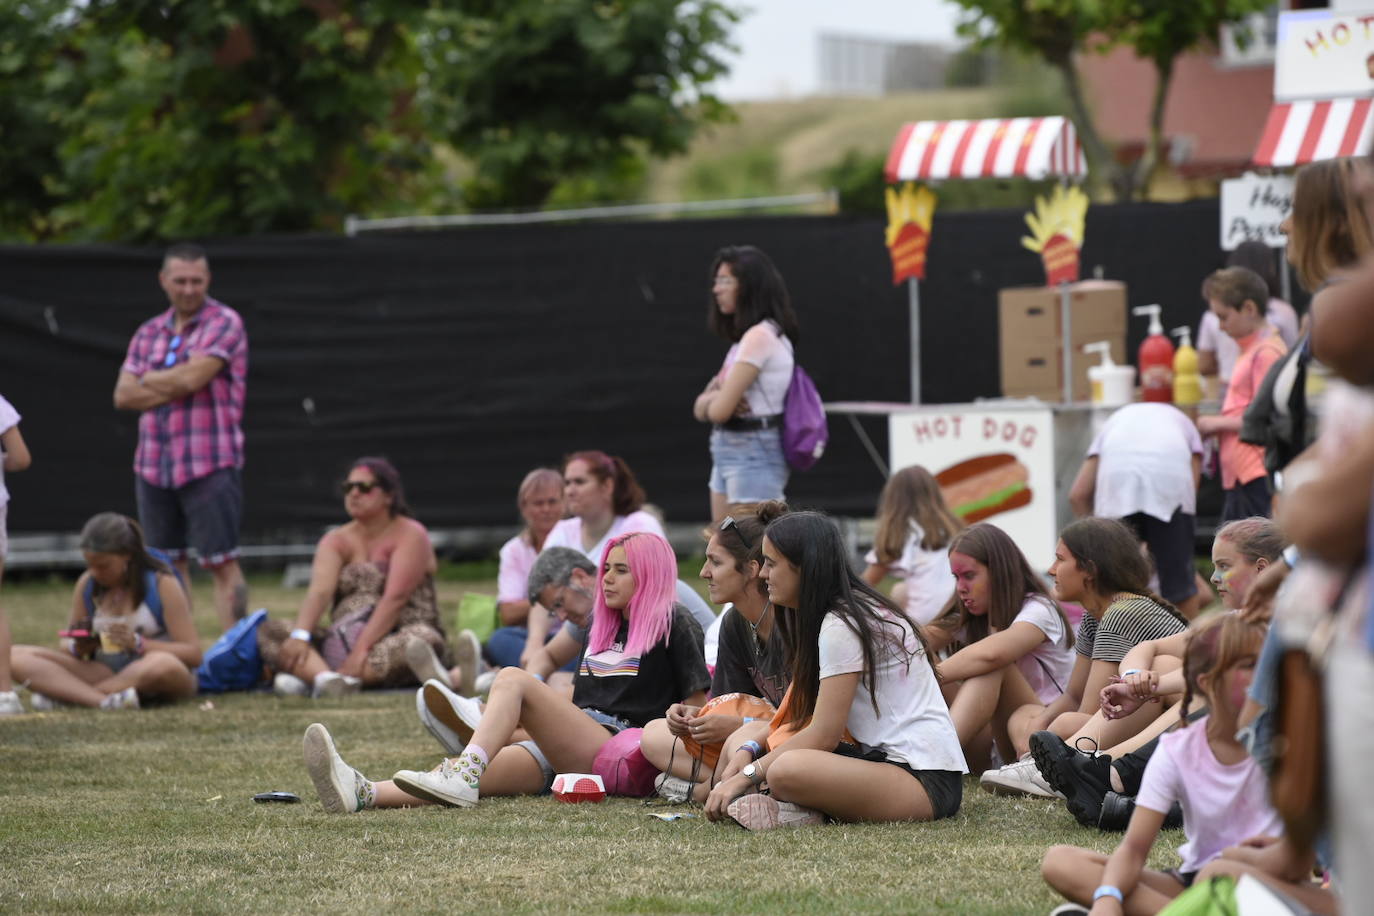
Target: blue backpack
{"type": "Point", "coordinates": [151, 596]}
{"type": "Point", "coordinates": [233, 662]}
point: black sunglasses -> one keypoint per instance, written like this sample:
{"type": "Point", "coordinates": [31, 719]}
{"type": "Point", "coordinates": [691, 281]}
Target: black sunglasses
{"type": "Point", "coordinates": [362, 486]}
{"type": "Point", "coordinates": [729, 523]}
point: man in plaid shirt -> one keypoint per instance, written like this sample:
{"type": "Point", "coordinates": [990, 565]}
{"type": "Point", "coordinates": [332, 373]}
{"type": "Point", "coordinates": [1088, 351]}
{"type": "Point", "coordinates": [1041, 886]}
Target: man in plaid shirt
{"type": "Point", "coordinates": [186, 371]}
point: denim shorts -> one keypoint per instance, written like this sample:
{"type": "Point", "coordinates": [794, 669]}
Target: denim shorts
{"type": "Point", "coordinates": [204, 514]}
{"type": "Point", "coordinates": [612, 724]}
{"type": "Point", "coordinates": [748, 466]}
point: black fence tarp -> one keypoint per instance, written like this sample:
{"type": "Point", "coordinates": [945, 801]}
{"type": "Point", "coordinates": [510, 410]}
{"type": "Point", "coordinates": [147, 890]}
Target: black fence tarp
{"type": "Point", "coordinates": [469, 357]}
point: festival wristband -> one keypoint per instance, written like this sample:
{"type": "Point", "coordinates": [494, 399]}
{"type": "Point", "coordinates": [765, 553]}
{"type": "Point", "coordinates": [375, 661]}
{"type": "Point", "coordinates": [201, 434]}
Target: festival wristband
{"type": "Point", "coordinates": [301, 633]}
{"type": "Point", "coordinates": [1108, 890]}
{"type": "Point", "coordinates": [754, 748]}
{"type": "Point", "coordinates": [537, 677]}
{"type": "Point", "coordinates": [1291, 556]}
{"type": "Point", "coordinates": [1129, 671]}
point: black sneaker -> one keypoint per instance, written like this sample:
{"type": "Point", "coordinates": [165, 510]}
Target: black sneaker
{"type": "Point", "coordinates": [1117, 810]}
{"type": "Point", "coordinates": [1083, 777]}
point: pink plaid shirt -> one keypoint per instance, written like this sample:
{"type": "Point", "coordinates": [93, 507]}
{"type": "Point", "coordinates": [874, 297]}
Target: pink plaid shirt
{"type": "Point", "coordinates": [187, 439]}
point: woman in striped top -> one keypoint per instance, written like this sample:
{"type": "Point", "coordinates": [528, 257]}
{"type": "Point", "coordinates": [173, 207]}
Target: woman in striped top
{"type": "Point", "coordinates": [1098, 563]}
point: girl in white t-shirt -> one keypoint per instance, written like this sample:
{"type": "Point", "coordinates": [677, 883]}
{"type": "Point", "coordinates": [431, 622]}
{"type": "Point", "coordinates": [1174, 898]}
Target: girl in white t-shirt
{"type": "Point", "coordinates": [869, 737]}
{"type": "Point", "coordinates": [912, 543]}
{"type": "Point", "coordinates": [743, 402]}
{"type": "Point", "coordinates": [1201, 766]}
{"type": "Point", "coordinates": [1017, 642]}
{"type": "Point", "coordinates": [14, 456]}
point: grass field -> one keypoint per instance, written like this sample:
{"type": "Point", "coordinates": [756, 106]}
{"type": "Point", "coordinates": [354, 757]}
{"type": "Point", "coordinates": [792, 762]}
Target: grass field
{"type": "Point", "coordinates": [151, 811]}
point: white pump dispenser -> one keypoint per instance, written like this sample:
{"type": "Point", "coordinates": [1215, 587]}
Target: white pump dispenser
{"type": "Point", "coordinates": [1156, 326]}
{"type": "Point", "coordinates": [1112, 385]}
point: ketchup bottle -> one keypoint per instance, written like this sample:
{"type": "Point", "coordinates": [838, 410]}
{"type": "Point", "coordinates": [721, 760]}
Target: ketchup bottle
{"type": "Point", "coordinates": [1155, 359]}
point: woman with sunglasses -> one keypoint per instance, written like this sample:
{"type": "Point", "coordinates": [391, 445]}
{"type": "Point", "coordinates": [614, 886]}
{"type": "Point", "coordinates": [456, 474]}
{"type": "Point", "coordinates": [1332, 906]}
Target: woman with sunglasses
{"type": "Point", "coordinates": [743, 402]}
{"type": "Point", "coordinates": [375, 575]}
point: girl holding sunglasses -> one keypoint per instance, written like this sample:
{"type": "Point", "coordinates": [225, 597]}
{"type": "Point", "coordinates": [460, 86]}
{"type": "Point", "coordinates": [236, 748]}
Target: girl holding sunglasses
{"type": "Point", "coordinates": [375, 575]}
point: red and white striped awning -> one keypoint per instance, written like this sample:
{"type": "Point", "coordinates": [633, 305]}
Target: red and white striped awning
{"type": "Point", "coordinates": [996, 148]}
{"type": "Point", "coordinates": [1301, 132]}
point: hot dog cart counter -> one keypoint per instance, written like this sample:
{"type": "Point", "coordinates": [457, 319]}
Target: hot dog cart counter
{"type": "Point", "coordinates": [1010, 461]}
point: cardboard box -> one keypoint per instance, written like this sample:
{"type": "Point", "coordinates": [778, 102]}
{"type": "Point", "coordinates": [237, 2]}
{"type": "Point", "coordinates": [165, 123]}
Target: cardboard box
{"type": "Point", "coordinates": [1036, 368]}
{"type": "Point", "coordinates": [1097, 311]}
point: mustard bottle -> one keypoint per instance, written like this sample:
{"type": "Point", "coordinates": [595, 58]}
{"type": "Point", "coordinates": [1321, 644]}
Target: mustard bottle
{"type": "Point", "coordinates": [1187, 381]}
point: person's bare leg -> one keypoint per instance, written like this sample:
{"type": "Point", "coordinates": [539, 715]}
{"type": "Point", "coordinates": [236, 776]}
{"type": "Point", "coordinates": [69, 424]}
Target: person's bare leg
{"type": "Point", "coordinates": [975, 703]}
{"type": "Point", "coordinates": [57, 675]}
{"type": "Point", "coordinates": [1075, 873]}
{"type": "Point", "coordinates": [157, 674]}
{"type": "Point", "coordinates": [1067, 723]}
{"type": "Point", "coordinates": [568, 737]}
{"type": "Point", "coordinates": [231, 593]}
{"type": "Point", "coordinates": [1106, 732]}
{"type": "Point", "coordinates": [720, 507]}
{"type": "Point", "coordinates": [1159, 726]}
{"type": "Point", "coordinates": [1010, 731]}
{"type": "Point", "coordinates": [6, 642]}
{"type": "Point", "coordinates": [1021, 724]}
{"type": "Point", "coordinates": [848, 789]}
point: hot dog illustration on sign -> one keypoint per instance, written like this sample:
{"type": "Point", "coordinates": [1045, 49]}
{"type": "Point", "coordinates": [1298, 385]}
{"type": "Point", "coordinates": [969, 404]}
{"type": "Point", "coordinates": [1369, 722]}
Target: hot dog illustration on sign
{"type": "Point", "coordinates": [985, 485]}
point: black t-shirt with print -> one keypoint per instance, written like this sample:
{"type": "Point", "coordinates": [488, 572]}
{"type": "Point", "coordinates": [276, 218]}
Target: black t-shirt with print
{"type": "Point", "coordinates": [641, 689]}
{"type": "Point", "coordinates": [745, 666]}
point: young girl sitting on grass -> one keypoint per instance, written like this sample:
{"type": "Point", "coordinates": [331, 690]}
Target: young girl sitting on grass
{"type": "Point", "coordinates": [1201, 766]}
{"type": "Point", "coordinates": [859, 665]}
{"type": "Point", "coordinates": [911, 542]}
{"type": "Point", "coordinates": [643, 654]}
{"type": "Point", "coordinates": [1017, 642]}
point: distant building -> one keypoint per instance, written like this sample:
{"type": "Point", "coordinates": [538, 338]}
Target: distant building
{"type": "Point", "coordinates": [850, 65]}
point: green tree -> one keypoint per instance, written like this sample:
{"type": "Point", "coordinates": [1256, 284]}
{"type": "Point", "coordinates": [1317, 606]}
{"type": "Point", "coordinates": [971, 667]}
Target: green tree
{"type": "Point", "coordinates": [1059, 30]}
{"type": "Point", "coordinates": [147, 119]}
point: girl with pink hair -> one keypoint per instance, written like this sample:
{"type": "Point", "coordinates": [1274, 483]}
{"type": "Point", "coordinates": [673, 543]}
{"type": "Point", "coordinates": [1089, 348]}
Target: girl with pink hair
{"type": "Point", "coordinates": [643, 653]}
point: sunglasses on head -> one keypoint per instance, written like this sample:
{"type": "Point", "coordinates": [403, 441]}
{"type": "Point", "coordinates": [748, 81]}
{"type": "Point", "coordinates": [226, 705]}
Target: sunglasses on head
{"type": "Point", "coordinates": [170, 359]}
{"type": "Point", "coordinates": [729, 523]}
{"type": "Point", "coordinates": [362, 486]}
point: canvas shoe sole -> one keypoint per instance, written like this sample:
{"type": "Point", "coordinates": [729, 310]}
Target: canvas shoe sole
{"type": "Point", "coordinates": [1083, 779]}
{"type": "Point", "coordinates": [672, 788]}
{"type": "Point", "coordinates": [123, 699]}
{"type": "Point", "coordinates": [338, 785]}
{"type": "Point", "coordinates": [1020, 778]}
{"type": "Point", "coordinates": [451, 719]}
{"type": "Point", "coordinates": [764, 812]}
{"type": "Point", "coordinates": [443, 786]}
{"type": "Point", "coordinates": [467, 655]}
{"type": "Point", "coordinates": [424, 662]}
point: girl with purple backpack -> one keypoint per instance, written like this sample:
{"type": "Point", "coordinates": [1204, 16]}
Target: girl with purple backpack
{"type": "Point", "coordinates": [744, 401]}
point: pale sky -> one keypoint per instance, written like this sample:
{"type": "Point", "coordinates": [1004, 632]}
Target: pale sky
{"type": "Point", "coordinates": [777, 38]}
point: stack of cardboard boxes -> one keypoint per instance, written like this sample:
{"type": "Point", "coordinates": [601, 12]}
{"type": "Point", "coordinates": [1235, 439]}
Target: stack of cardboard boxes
{"type": "Point", "coordinates": [1030, 328]}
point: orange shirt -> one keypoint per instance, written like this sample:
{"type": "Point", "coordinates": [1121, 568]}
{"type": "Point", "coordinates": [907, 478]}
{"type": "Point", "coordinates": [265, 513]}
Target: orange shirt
{"type": "Point", "coordinates": [1242, 463]}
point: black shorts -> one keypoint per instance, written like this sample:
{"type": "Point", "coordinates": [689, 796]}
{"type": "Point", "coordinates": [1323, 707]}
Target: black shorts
{"type": "Point", "coordinates": [945, 788]}
{"type": "Point", "coordinates": [1247, 499]}
{"type": "Point", "coordinates": [1186, 878]}
{"type": "Point", "coordinates": [1171, 545]}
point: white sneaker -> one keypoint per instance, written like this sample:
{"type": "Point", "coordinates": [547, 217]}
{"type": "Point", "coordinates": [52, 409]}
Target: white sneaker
{"type": "Point", "coordinates": [342, 789]}
{"type": "Point", "coordinates": [764, 812]}
{"type": "Point", "coordinates": [1019, 778]}
{"type": "Point", "coordinates": [10, 705]}
{"type": "Point", "coordinates": [41, 702]}
{"type": "Point", "coordinates": [424, 662]}
{"type": "Point", "coordinates": [482, 686]}
{"type": "Point", "coordinates": [443, 785]}
{"type": "Point", "coordinates": [332, 684]}
{"type": "Point", "coordinates": [288, 685]}
{"type": "Point", "coordinates": [124, 699]}
{"type": "Point", "coordinates": [673, 788]}
{"type": "Point", "coordinates": [467, 655]}
{"type": "Point", "coordinates": [451, 719]}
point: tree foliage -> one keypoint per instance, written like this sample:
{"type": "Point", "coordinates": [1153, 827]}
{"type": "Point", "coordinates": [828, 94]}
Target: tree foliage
{"type": "Point", "coordinates": [1058, 30]}
{"type": "Point", "coordinates": [146, 119]}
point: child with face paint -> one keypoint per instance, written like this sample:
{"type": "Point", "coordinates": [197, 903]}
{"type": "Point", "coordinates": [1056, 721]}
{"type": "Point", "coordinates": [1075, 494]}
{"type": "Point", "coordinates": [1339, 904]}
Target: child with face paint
{"type": "Point", "coordinates": [1203, 768]}
{"type": "Point", "coordinates": [1099, 787]}
{"type": "Point", "coordinates": [643, 653]}
{"type": "Point", "coordinates": [1017, 642]}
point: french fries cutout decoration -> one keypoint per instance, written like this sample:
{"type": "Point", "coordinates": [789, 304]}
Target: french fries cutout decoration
{"type": "Point", "coordinates": [909, 214]}
{"type": "Point", "coordinates": [1057, 233]}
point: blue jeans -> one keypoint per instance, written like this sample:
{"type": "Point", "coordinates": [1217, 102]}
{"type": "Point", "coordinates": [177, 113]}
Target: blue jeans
{"type": "Point", "coordinates": [748, 466]}
{"type": "Point", "coordinates": [503, 647]}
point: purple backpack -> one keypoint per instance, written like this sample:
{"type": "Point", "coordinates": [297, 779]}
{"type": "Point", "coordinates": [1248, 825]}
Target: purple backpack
{"type": "Point", "coordinates": [804, 431]}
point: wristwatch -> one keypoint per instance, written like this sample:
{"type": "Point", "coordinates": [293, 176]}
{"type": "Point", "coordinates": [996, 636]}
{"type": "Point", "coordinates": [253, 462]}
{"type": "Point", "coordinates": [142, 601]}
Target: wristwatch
{"type": "Point", "coordinates": [753, 772]}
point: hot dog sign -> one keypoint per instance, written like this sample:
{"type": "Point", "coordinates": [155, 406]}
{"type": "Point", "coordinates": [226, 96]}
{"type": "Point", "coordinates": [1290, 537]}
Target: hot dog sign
{"type": "Point", "coordinates": [994, 465]}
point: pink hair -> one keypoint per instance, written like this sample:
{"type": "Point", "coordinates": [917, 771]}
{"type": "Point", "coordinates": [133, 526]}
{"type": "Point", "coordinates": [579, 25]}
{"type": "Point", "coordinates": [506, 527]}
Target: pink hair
{"type": "Point", "coordinates": [654, 566]}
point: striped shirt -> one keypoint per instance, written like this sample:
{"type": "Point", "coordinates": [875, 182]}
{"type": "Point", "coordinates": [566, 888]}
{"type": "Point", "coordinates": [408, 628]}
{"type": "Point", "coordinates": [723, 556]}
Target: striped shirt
{"type": "Point", "coordinates": [1128, 622]}
{"type": "Point", "coordinates": [194, 436]}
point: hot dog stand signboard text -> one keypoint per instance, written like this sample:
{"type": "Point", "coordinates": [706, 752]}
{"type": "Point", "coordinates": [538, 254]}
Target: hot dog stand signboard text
{"type": "Point", "coordinates": [992, 464]}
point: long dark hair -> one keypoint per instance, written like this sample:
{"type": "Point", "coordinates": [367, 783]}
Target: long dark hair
{"type": "Point", "coordinates": [110, 532]}
{"type": "Point", "coordinates": [627, 496]}
{"type": "Point", "coordinates": [1010, 582]}
{"type": "Point", "coordinates": [1109, 554]}
{"type": "Point", "coordinates": [389, 479]}
{"type": "Point", "coordinates": [811, 542]}
{"type": "Point", "coordinates": [761, 294]}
